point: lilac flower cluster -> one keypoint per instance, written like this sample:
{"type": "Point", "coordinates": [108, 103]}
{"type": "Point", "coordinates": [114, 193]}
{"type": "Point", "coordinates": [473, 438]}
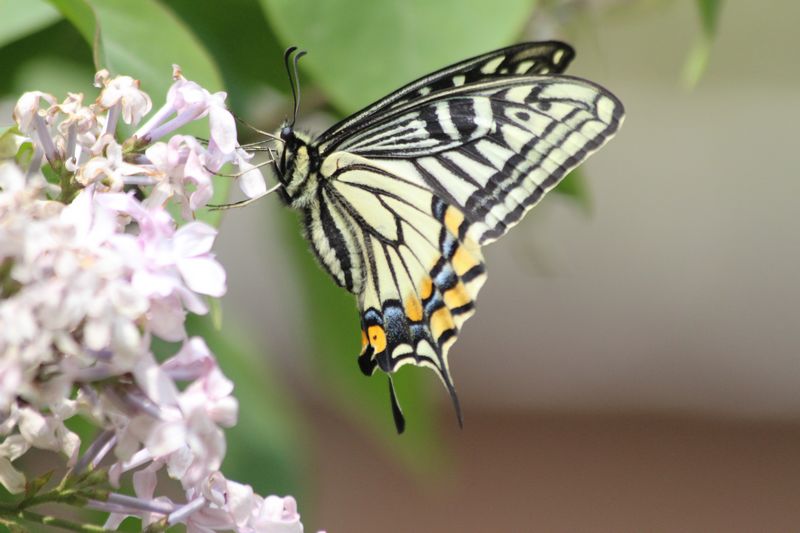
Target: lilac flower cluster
{"type": "Point", "coordinates": [91, 272]}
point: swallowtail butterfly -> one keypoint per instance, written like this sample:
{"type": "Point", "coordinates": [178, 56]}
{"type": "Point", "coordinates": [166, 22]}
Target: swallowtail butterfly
{"type": "Point", "coordinates": [397, 199]}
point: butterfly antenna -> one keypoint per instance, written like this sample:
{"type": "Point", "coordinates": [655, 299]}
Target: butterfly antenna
{"type": "Point", "coordinates": [397, 412]}
{"type": "Point", "coordinates": [294, 79]}
{"type": "Point", "coordinates": [272, 136]}
{"type": "Point", "coordinates": [242, 203]}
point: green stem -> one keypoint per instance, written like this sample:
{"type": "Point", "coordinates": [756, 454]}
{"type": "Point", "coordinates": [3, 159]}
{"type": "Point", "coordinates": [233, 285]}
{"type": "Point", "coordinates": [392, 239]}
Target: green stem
{"type": "Point", "coordinates": [57, 522]}
{"type": "Point", "coordinates": [62, 496]}
{"type": "Point", "coordinates": [70, 496]}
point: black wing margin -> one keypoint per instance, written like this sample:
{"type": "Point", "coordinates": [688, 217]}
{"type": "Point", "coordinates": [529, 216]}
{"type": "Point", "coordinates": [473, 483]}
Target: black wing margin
{"type": "Point", "coordinates": [533, 59]}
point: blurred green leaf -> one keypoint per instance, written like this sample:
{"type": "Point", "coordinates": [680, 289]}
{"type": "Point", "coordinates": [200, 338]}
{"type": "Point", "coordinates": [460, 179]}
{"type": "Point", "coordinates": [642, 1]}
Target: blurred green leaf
{"type": "Point", "coordinates": [82, 16]}
{"type": "Point", "coordinates": [574, 187]}
{"type": "Point", "coordinates": [24, 18]}
{"type": "Point", "coordinates": [359, 51]}
{"type": "Point", "coordinates": [10, 142]}
{"type": "Point", "coordinates": [697, 61]}
{"type": "Point", "coordinates": [127, 31]}
{"type": "Point", "coordinates": [254, 61]}
{"type": "Point", "coordinates": [55, 59]}
{"type": "Point", "coordinates": [709, 15]}
{"type": "Point", "coordinates": [265, 448]}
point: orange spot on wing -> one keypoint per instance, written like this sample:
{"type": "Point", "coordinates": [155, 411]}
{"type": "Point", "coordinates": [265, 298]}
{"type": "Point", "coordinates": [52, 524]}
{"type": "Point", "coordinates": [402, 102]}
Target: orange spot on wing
{"type": "Point", "coordinates": [413, 308]}
{"type": "Point", "coordinates": [364, 340]}
{"type": "Point", "coordinates": [377, 338]}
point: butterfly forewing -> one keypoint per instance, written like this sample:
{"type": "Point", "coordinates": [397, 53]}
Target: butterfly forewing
{"type": "Point", "coordinates": [494, 149]}
{"type": "Point", "coordinates": [549, 57]}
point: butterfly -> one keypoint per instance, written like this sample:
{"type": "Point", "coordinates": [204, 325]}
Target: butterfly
{"type": "Point", "coordinates": [397, 199]}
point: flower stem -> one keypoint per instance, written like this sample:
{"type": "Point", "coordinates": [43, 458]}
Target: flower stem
{"type": "Point", "coordinates": [48, 520]}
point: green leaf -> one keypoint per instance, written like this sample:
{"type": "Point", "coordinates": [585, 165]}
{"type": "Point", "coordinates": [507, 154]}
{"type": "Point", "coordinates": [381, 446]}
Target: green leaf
{"type": "Point", "coordinates": [16, 528]}
{"type": "Point", "coordinates": [574, 187]}
{"type": "Point", "coordinates": [709, 15]}
{"type": "Point", "coordinates": [82, 17]}
{"type": "Point", "coordinates": [257, 58]}
{"type": "Point", "coordinates": [265, 447]}
{"type": "Point", "coordinates": [10, 143]}
{"type": "Point", "coordinates": [697, 61]}
{"type": "Point", "coordinates": [55, 60]}
{"type": "Point", "coordinates": [24, 18]}
{"type": "Point", "coordinates": [127, 31]}
{"type": "Point", "coordinates": [359, 51]}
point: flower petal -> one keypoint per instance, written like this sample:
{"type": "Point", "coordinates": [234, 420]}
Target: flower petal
{"type": "Point", "coordinates": [251, 181]}
{"type": "Point", "coordinates": [193, 239]}
{"type": "Point", "coordinates": [11, 478]}
{"type": "Point", "coordinates": [203, 275]}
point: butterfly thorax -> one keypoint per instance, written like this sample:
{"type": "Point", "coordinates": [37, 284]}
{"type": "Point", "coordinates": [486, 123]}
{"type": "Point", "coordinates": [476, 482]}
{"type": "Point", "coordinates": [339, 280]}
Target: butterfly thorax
{"type": "Point", "coordinates": [297, 169]}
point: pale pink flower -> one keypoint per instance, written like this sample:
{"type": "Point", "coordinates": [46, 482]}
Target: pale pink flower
{"type": "Point", "coordinates": [277, 515]}
{"type": "Point", "coordinates": [28, 107]}
{"type": "Point", "coordinates": [12, 447]}
{"type": "Point", "coordinates": [251, 181]}
{"type": "Point", "coordinates": [93, 281]}
{"type": "Point", "coordinates": [47, 433]}
{"type": "Point", "coordinates": [180, 162]}
{"type": "Point", "coordinates": [123, 91]}
{"type": "Point", "coordinates": [107, 167]}
{"type": "Point", "coordinates": [11, 478]}
{"type": "Point", "coordinates": [188, 101]}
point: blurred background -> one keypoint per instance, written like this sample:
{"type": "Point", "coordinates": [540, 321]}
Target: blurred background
{"type": "Point", "coordinates": [633, 364]}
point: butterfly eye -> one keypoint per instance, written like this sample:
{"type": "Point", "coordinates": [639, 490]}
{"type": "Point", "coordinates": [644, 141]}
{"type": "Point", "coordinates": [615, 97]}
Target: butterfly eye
{"type": "Point", "coordinates": [287, 133]}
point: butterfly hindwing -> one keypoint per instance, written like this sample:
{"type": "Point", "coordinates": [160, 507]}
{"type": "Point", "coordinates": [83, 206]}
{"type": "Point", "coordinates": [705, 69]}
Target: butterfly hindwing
{"type": "Point", "coordinates": [422, 267]}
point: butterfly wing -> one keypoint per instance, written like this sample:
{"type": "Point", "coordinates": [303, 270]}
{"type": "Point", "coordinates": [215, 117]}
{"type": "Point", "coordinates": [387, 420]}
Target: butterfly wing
{"type": "Point", "coordinates": [413, 185]}
{"type": "Point", "coordinates": [411, 198]}
{"type": "Point", "coordinates": [493, 149]}
{"type": "Point", "coordinates": [419, 271]}
{"type": "Point", "coordinates": [539, 58]}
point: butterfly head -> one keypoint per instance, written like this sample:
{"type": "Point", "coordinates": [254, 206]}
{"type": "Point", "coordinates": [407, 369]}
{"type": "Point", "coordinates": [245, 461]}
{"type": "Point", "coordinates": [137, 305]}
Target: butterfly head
{"type": "Point", "coordinates": [297, 167]}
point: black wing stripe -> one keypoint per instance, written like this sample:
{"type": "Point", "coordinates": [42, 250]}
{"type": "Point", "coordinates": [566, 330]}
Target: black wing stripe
{"type": "Point", "coordinates": [549, 57]}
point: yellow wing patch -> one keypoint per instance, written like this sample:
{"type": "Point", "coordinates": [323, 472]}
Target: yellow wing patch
{"type": "Point", "coordinates": [441, 321]}
{"type": "Point", "coordinates": [413, 308]}
{"type": "Point", "coordinates": [457, 296]}
{"type": "Point", "coordinates": [453, 219]}
{"type": "Point", "coordinates": [463, 261]}
{"type": "Point", "coordinates": [426, 288]}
